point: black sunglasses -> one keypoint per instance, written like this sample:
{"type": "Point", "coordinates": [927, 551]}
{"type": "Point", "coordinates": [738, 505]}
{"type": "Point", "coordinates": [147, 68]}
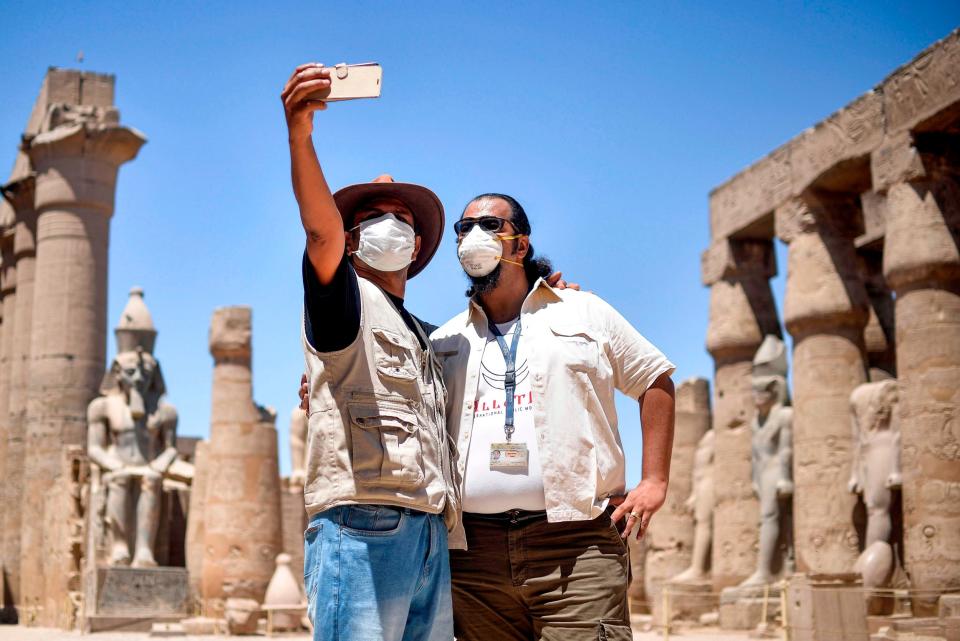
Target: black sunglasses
{"type": "Point", "coordinates": [487, 223]}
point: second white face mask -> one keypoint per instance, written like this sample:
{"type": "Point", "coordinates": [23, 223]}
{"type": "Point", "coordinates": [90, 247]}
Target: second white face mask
{"type": "Point", "coordinates": [479, 252]}
{"type": "Point", "coordinates": [386, 243]}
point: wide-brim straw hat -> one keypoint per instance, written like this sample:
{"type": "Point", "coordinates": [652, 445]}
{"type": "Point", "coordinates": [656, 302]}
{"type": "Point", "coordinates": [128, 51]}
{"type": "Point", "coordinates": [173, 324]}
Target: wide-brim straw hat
{"type": "Point", "coordinates": [423, 204]}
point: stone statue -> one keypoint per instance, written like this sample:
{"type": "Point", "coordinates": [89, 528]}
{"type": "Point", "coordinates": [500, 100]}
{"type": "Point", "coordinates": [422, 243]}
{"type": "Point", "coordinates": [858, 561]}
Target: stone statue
{"type": "Point", "coordinates": [701, 502]}
{"type": "Point", "coordinates": [875, 471]}
{"type": "Point", "coordinates": [771, 451]}
{"type": "Point", "coordinates": [131, 438]}
{"type": "Point", "coordinates": [298, 449]}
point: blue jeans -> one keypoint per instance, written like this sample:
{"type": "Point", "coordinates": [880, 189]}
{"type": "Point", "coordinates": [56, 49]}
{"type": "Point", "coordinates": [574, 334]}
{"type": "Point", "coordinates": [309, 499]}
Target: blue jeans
{"type": "Point", "coordinates": [377, 573]}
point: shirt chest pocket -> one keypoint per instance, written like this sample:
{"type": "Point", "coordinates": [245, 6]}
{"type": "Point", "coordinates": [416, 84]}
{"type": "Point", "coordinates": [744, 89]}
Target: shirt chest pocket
{"type": "Point", "coordinates": [573, 347]}
{"type": "Point", "coordinates": [394, 356]}
{"type": "Point", "coordinates": [386, 445]}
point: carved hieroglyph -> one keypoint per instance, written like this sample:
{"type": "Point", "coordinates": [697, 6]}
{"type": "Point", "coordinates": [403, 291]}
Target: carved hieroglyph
{"type": "Point", "coordinates": [131, 440]}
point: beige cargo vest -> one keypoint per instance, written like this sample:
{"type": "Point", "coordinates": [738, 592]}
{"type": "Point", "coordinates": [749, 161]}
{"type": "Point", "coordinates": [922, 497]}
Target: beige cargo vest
{"type": "Point", "coordinates": [377, 432]}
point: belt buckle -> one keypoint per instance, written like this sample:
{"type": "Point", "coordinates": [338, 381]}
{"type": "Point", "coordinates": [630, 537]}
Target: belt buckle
{"type": "Point", "coordinates": [513, 514]}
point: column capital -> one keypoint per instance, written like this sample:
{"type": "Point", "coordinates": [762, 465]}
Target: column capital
{"type": "Point", "coordinates": [8, 269]}
{"type": "Point", "coordinates": [810, 213]}
{"type": "Point", "coordinates": [923, 229]}
{"type": "Point", "coordinates": [77, 164]}
{"type": "Point", "coordinates": [824, 289]}
{"type": "Point", "coordinates": [20, 194]}
{"type": "Point", "coordinates": [729, 258]}
{"type": "Point", "coordinates": [231, 333]}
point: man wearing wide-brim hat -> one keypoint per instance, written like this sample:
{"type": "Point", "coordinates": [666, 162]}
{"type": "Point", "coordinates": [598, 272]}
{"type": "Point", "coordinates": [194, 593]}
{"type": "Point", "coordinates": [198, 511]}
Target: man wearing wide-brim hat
{"type": "Point", "coordinates": [379, 489]}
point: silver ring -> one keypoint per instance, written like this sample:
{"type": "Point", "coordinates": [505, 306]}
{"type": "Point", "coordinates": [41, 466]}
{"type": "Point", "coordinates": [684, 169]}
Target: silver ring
{"type": "Point", "coordinates": [635, 516]}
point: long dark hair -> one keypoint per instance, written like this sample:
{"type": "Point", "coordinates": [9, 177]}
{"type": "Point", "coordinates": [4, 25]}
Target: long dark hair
{"type": "Point", "coordinates": [533, 266]}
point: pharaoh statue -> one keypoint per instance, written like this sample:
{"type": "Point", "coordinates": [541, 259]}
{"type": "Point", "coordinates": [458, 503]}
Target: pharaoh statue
{"type": "Point", "coordinates": [771, 451]}
{"type": "Point", "coordinates": [131, 440]}
{"type": "Point", "coordinates": [298, 443]}
{"type": "Point", "coordinates": [876, 471]}
{"type": "Point", "coordinates": [701, 503]}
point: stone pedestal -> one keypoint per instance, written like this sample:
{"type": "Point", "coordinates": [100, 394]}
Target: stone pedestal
{"type": "Point", "coordinates": [742, 312]}
{"type": "Point", "coordinates": [688, 601]}
{"type": "Point", "coordinates": [76, 167]}
{"type": "Point", "coordinates": [826, 609]}
{"type": "Point", "coordinates": [743, 608]}
{"type": "Point", "coordinates": [825, 310]}
{"type": "Point", "coordinates": [133, 598]}
{"type": "Point", "coordinates": [922, 264]}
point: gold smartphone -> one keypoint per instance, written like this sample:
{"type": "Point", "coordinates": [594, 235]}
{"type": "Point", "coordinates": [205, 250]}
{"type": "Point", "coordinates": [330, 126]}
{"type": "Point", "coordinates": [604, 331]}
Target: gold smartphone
{"type": "Point", "coordinates": [349, 82]}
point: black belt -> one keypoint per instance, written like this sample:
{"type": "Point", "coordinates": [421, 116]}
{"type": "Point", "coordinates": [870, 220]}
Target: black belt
{"type": "Point", "coordinates": [510, 516]}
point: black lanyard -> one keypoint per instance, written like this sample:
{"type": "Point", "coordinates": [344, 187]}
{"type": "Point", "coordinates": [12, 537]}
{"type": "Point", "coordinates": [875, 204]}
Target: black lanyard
{"type": "Point", "coordinates": [510, 374]}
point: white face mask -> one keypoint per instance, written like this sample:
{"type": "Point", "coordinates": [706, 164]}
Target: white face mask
{"type": "Point", "coordinates": [386, 243]}
{"type": "Point", "coordinates": [481, 250]}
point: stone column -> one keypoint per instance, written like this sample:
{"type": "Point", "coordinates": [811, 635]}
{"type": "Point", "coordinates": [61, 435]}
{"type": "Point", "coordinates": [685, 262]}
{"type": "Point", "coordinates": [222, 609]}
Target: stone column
{"type": "Point", "coordinates": [825, 310]}
{"type": "Point", "coordinates": [742, 312]}
{"type": "Point", "coordinates": [195, 523]}
{"type": "Point", "coordinates": [8, 298]}
{"type": "Point", "coordinates": [242, 516]}
{"type": "Point", "coordinates": [922, 264]}
{"type": "Point", "coordinates": [670, 538]}
{"type": "Point", "coordinates": [76, 167]}
{"type": "Point", "coordinates": [21, 195]}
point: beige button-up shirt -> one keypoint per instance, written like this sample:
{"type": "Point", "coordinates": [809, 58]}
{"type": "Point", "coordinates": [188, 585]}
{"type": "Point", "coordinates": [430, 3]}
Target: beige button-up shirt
{"type": "Point", "coordinates": [579, 350]}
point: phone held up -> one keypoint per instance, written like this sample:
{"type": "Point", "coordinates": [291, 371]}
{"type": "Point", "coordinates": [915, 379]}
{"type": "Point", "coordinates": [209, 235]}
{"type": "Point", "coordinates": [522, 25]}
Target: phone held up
{"type": "Point", "coordinates": [350, 82]}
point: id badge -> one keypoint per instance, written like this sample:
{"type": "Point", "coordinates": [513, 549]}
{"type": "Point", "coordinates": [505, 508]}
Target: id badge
{"type": "Point", "coordinates": [508, 456]}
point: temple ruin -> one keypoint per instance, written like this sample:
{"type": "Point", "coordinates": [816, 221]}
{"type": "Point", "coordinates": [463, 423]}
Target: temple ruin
{"type": "Point", "coordinates": [824, 499]}
{"type": "Point", "coordinates": [868, 203]}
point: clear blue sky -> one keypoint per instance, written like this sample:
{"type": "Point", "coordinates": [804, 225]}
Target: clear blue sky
{"type": "Point", "coordinates": [609, 121]}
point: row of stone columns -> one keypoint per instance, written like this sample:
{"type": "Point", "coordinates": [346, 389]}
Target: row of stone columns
{"type": "Point", "coordinates": [836, 309]}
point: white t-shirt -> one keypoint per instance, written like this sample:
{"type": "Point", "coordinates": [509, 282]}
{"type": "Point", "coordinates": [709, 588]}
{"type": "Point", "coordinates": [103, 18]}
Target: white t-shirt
{"type": "Point", "coordinates": [487, 491]}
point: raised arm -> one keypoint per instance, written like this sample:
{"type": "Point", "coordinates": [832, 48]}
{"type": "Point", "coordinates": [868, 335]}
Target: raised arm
{"type": "Point", "coordinates": [318, 212]}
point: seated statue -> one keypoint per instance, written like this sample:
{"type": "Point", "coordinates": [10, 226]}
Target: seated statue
{"type": "Point", "coordinates": [131, 439]}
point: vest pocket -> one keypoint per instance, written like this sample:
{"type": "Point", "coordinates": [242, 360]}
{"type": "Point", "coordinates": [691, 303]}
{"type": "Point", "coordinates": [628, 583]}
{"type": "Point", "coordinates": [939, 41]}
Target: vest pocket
{"type": "Point", "coordinates": [386, 446]}
{"type": "Point", "coordinates": [394, 356]}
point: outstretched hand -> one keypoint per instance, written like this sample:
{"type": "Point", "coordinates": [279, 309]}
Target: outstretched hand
{"type": "Point", "coordinates": [639, 506]}
{"type": "Point", "coordinates": [298, 108]}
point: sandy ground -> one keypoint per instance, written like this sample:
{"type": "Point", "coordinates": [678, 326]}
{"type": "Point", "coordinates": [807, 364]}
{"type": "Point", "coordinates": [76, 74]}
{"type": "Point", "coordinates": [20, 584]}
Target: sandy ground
{"type": "Point", "coordinates": [18, 633]}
